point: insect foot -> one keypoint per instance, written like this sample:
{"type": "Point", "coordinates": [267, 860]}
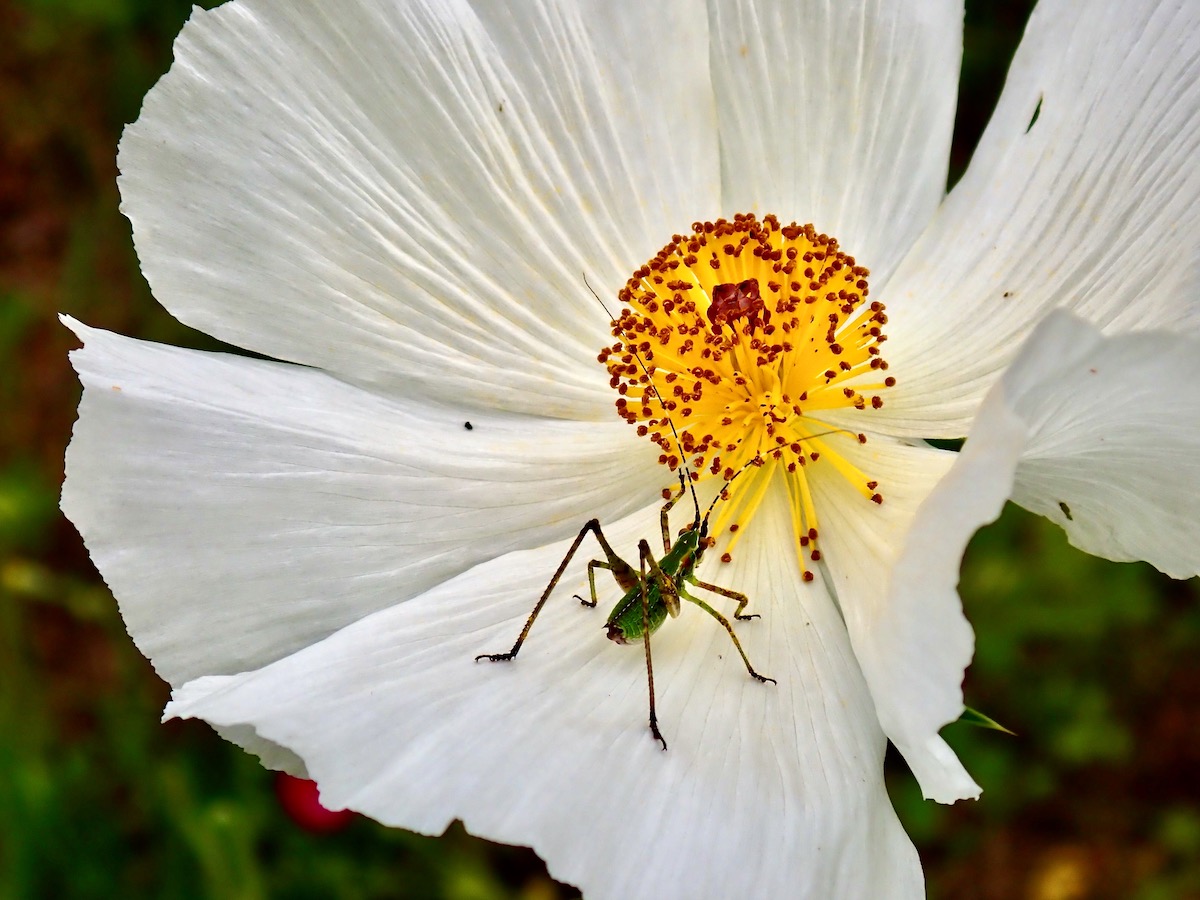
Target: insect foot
{"type": "Point", "coordinates": [657, 734]}
{"type": "Point", "coordinates": [496, 657]}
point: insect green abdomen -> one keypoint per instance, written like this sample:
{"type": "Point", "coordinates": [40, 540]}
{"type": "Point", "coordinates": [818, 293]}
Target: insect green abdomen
{"type": "Point", "coordinates": [625, 624]}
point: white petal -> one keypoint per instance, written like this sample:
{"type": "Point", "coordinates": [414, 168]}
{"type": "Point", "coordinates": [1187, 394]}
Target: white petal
{"type": "Point", "coordinates": [241, 509]}
{"type": "Point", "coordinates": [766, 790]}
{"type": "Point", "coordinates": [1095, 207]}
{"type": "Point", "coordinates": [407, 193]}
{"type": "Point", "coordinates": [839, 114]}
{"type": "Point", "coordinates": [271, 755]}
{"type": "Point", "coordinates": [1112, 440]}
{"type": "Point", "coordinates": [1108, 426]}
{"type": "Point", "coordinates": [908, 630]}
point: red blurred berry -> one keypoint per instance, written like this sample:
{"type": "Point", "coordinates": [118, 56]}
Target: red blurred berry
{"type": "Point", "coordinates": [299, 799]}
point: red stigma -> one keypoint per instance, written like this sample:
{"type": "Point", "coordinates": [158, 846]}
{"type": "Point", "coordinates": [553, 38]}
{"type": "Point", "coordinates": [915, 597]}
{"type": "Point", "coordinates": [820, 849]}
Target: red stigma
{"type": "Point", "coordinates": [734, 301]}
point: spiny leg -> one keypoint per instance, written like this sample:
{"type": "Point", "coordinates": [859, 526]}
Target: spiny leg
{"type": "Point", "coordinates": [729, 628]}
{"type": "Point", "coordinates": [592, 567]}
{"type": "Point", "coordinates": [644, 554]}
{"type": "Point", "coordinates": [662, 516]}
{"type": "Point", "coordinates": [622, 572]}
{"type": "Point", "coordinates": [666, 584]}
{"type": "Point", "coordinates": [741, 598]}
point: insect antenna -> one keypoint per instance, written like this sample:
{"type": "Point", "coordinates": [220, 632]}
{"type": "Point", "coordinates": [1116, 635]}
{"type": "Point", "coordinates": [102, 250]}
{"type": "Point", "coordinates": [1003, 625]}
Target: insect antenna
{"type": "Point", "coordinates": [684, 476]}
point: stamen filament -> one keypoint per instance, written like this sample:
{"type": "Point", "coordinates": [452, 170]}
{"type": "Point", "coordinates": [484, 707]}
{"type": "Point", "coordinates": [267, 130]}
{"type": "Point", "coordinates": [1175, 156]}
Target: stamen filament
{"type": "Point", "coordinates": [747, 331]}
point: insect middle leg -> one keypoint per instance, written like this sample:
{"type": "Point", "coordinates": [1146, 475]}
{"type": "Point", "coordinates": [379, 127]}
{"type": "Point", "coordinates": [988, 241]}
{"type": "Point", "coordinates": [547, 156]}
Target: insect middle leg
{"type": "Point", "coordinates": [622, 577]}
{"type": "Point", "coordinates": [624, 574]}
{"type": "Point", "coordinates": [729, 628]}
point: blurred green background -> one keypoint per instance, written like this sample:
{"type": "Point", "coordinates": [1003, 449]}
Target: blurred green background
{"type": "Point", "coordinates": [1094, 665]}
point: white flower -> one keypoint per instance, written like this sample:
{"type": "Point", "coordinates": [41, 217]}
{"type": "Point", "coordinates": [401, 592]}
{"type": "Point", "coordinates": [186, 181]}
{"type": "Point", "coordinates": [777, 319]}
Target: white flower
{"type": "Point", "coordinates": [400, 198]}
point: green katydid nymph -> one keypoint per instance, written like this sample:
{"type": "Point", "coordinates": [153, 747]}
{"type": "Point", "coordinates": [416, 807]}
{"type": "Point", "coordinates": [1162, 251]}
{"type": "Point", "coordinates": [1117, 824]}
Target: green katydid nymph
{"type": "Point", "coordinates": [654, 588]}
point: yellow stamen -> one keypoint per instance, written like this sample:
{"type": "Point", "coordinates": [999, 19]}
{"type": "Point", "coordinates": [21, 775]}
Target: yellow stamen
{"type": "Point", "coordinates": [750, 332]}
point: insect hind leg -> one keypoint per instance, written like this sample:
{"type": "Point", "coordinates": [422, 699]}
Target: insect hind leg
{"type": "Point", "coordinates": [623, 573]}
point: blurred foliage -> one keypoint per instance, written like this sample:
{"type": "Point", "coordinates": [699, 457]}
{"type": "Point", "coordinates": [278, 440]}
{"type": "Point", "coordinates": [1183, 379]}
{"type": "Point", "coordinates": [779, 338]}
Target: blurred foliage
{"type": "Point", "coordinates": [1092, 664]}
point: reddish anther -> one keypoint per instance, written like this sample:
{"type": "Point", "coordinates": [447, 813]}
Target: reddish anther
{"type": "Point", "coordinates": [733, 301]}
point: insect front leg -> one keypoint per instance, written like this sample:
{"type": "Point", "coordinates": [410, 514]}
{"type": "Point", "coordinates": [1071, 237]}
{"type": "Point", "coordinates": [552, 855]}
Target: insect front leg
{"type": "Point", "coordinates": [742, 599]}
{"type": "Point", "coordinates": [644, 555]}
{"type": "Point", "coordinates": [729, 628]}
{"type": "Point", "coordinates": [662, 516]}
{"type": "Point", "coordinates": [624, 574]}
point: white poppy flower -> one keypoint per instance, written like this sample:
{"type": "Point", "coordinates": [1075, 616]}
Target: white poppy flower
{"type": "Point", "coordinates": [400, 199]}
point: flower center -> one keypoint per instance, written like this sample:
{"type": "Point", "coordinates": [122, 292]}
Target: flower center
{"type": "Point", "coordinates": [745, 335]}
